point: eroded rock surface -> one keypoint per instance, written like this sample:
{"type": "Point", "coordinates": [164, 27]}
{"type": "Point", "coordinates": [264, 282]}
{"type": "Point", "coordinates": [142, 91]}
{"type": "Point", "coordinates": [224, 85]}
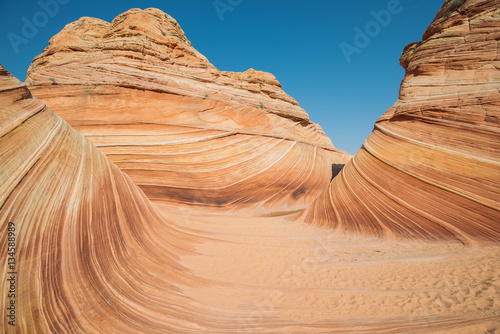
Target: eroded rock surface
{"type": "Point", "coordinates": [431, 167]}
{"type": "Point", "coordinates": [184, 131]}
{"type": "Point", "coordinates": [87, 241]}
{"type": "Point", "coordinates": [94, 254]}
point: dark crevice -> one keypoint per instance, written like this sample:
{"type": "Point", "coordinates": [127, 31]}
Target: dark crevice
{"type": "Point", "coordinates": [336, 168]}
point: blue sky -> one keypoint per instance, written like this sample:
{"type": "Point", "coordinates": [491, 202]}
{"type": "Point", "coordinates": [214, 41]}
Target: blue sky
{"type": "Point", "coordinates": [300, 42]}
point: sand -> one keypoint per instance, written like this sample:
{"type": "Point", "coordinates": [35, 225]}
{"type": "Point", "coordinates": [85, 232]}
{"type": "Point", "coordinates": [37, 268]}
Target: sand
{"type": "Point", "coordinates": [273, 275]}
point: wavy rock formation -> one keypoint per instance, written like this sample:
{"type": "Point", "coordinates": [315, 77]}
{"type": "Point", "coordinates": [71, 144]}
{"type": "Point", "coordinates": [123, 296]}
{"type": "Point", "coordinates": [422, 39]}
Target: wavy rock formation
{"type": "Point", "coordinates": [95, 255]}
{"type": "Point", "coordinates": [88, 243]}
{"type": "Point", "coordinates": [431, 167]}
{"type": "Point", "coordinates": [184, 131]}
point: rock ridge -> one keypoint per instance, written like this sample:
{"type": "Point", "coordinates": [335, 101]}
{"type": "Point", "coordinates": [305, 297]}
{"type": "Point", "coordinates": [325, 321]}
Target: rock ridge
{"type": "Point", "coordinates": [149, 50]}
{"type": "Point", "coordinates": [183, 130]}
{"type": "Point", "coordinates": [431, 167]}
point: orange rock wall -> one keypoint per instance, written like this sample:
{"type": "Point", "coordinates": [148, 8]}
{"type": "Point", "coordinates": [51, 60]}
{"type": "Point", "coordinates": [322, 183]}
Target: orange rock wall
{"type": "Point", "coordinates": [184, 131]}
{"type": "Point", "coordinates": [431, 167]}
{"type": "Point", "coordinates": [86, 237]}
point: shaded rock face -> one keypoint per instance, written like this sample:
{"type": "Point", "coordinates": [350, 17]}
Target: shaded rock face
{"type": "Point", "coordinates": [431, 167]}
{"type": "Point", "coordinates": [184, 131]}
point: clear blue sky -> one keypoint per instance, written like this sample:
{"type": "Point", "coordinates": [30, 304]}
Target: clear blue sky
{"type": "Point", "coordinates": [298, 41]}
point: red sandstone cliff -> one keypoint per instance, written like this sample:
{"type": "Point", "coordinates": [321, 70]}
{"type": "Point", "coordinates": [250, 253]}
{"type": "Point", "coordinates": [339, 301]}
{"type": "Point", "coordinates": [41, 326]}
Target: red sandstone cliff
{"type": "Point", "coordinates": [83, 231]}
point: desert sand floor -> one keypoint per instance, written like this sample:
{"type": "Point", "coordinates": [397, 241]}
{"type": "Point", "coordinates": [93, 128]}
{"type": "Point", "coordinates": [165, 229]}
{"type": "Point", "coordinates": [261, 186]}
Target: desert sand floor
{"type": "Point", "coordinates": [274, 275]}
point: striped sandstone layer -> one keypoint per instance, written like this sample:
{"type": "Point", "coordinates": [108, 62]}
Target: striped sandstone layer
{"type": "Point", "coordinates": [93, 255]}
{"type": "Point", "coordinates": [184, 131]}
{"type": "Point", "coordinates": [431, 167]}
{"type": "Point", "coordinates": [88, 243]}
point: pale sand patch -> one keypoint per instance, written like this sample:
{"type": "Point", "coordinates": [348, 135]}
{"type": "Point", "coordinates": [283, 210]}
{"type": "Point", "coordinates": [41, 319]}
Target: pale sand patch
{"type": "Point", "coordinates": [274, 275]}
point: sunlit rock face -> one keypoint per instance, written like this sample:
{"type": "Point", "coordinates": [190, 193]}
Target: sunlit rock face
{"type": "Point", "coordinates": [88, 242]}
{"type": "Point", "coordinates": [431, 167]}
{"type": "Point", "coordinates": [94, 254]}
{"type": "Point", "coordinates": [184, 131]}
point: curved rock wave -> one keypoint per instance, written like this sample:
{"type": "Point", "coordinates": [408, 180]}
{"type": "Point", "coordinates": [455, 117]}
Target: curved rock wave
{"type": "Point", "coordinates": [94, 253]}
{"type": "Point", "coordinates": [184, 131]}
{"type": "Point", "coordinates": [85, 236]}
{"type": "Point", "coordinates": [431, 167]}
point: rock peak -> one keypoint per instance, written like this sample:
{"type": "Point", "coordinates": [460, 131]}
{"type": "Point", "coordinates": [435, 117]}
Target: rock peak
{"type": "Point", "coordinates": [150, 23]}
{"type": "Point", "coordinates": [149, 31]}
{"type": "Point", "coordinates": [139, 74]}
{"type": "Point", "coordinates": [458, 12]}
{"type": "Point", "coordinates": [435, 154]}
{"type": "Point", "coordinates": [147, 49]}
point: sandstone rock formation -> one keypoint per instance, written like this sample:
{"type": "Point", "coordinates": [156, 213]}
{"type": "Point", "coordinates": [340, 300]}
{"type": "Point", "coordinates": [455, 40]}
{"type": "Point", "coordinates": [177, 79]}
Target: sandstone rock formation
{"type": "Point", "coordinates": [184, 131]}
{"type": "Point", "coordinates": [94, 254]}
{"type": "Point", "coordinates": [431, 167]}
{"type": "Point", "coordinates": [84, 234]}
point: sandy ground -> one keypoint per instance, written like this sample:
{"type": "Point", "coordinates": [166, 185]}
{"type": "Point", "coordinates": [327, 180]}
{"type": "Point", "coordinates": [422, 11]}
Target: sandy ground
{"type": "Point", "coordinates": [273, 275]}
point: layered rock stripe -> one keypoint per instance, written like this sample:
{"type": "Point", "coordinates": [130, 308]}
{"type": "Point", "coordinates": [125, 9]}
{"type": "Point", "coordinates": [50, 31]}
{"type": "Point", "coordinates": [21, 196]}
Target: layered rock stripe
{"type": "Point", "coordinates": [89, 243]}
{"type": "Point", "coordinates": [94, 255]}
{"type": "Point", "coordinates": [431, 167]}
{"type": "Point", "coordinates": [184, 131]}
{"type": "Point", "coordinates": [404, 239]}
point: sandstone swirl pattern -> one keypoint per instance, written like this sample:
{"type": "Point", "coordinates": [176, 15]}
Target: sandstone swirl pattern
{"type": "Point", "coordinates": [95, 254]}
{"type": "Point", "coordinates": [184, 131]}
{"type": "Point", "coordinates": [86, 235]}
{"type": "Point", "coordinates": [431, 167]}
